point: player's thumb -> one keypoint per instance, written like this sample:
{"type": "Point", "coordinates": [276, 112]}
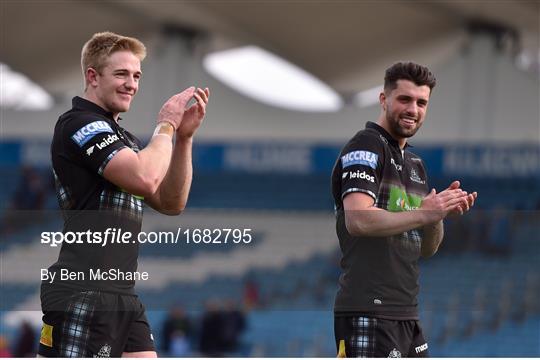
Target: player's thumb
{"type": "Point", "coordinates": [432, 193]}
{"type": "Point", "coordinates": [186, 95]}
{"type": "Point", "coordinates": [454, 185]}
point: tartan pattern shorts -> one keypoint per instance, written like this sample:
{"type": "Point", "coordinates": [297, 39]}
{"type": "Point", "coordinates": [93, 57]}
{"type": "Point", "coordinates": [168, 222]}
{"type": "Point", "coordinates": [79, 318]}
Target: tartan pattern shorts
{"type": "Point", "coordinates": [362, 336]}
{"type": "Point", "coordinates": [93, 324]}
{"type": "Point", "coordinates": [76, 329]}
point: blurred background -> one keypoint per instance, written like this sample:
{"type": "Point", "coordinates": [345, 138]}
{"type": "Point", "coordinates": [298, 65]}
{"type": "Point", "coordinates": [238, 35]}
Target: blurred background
{"type": "Point", "coordinates": [291, 82]}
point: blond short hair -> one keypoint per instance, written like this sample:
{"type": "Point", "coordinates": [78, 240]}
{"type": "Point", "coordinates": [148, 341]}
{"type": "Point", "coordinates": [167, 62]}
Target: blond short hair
{"type": "Point", "coordinates": [96, 50]}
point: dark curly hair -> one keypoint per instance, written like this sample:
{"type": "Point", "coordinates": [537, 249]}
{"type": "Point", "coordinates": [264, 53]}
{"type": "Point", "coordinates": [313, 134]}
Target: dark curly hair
{"type": "Point", "coordinates": [418, 74]}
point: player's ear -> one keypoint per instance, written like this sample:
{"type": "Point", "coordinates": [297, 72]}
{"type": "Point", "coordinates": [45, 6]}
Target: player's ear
{"type": "Point", "coordinates": [382, 100]}
{"type": "Point", "coordinates": [91, 76]}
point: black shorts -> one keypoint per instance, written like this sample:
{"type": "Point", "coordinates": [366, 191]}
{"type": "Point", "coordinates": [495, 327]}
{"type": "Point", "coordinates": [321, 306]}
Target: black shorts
{"type": "Point", "coordinates": [360, 336]}
{"type": "Point", "coordinates": [92, 324]}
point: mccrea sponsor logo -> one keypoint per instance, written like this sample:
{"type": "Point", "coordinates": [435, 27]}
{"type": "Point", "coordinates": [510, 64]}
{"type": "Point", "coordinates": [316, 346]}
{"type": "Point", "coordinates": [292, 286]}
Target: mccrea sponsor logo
{"type": "Point", "coordinates": [84, 134]}
{"type": "Point", "coordinates": [361, 175]}
{"type": "Point", "coordinates": [360, 157]}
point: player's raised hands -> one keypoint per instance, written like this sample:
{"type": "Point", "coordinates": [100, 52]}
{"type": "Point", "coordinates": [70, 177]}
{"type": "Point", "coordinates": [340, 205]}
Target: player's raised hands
{"type": "Point", "coordinates": [173, 110]}
{"type": "Point", "coordinates": [451, 201]}
{"type": "Point", "coordinates": [194, 115]}
{"type": "Point", "coordinates": [468, 201]}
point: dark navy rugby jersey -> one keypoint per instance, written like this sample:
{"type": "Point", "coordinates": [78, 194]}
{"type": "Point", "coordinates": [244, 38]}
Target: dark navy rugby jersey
{"type": "Point", "coordinates": [85, 139]}
{"type": "Point", "coordinates": [379, 274]}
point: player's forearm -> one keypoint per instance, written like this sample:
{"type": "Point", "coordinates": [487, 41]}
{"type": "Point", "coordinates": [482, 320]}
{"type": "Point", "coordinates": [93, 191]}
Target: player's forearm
{"type": "Point", "coordinates": [432, 238]}
{"type": "Point", "coordinates": [378, 222]}
{"type": "Point", "coordinates": [174, 190]}
{"type": "Point", "coordinates": [154, 161]}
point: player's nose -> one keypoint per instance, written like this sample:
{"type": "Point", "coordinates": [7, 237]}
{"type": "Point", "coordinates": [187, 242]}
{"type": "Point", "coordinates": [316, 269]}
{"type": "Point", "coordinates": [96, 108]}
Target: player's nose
{"type": "Point", "coordinates": [412, 109]}
{"type": "Point", "coordinates": [131, 83]}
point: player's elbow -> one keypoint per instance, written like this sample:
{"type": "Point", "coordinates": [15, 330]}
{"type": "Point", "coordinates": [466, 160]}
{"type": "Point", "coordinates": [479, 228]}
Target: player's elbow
{"type": "Point", "coordinates": [172, 205]}
{"type": "Point", "coordinates": [356, 226]}
{"type": "Point", "coordinates": [146, 186]}
{"type": "Point", "coordinates": [426, 252]}
{"type": "Point", "coordinates": [173, 211]}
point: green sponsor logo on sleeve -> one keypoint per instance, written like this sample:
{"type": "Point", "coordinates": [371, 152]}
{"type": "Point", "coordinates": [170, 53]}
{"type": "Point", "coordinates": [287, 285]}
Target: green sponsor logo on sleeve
{"type": "Point", "coordinates": [401, 201]}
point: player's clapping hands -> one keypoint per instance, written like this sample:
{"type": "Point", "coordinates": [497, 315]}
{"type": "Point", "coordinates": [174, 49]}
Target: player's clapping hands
{"type": "Point", "coordinates": [193, 116]}
{"type": "Point", "coordinates": [174, 109]}
{"type": "Point", "coordinates": [451, 201]}
{"type": "Point", "coordinates": [467, 201]}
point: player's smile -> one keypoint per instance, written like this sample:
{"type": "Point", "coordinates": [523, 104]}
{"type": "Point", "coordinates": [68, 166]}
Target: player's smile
{"type": "Point", "coordinates": [408, 121]}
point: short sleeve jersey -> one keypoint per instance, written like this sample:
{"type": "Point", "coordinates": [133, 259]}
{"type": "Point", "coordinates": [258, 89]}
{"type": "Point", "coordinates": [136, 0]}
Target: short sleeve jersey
{"type": "Point", "coordinates": [379, 274]}
{"type": "Point", "coordinates": [85, 139]}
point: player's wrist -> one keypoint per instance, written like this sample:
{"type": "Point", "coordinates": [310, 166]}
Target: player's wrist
{"type": "Point", "coordinates": [429, 217]}
{"type": "Point", "coordinates": [164, 128]}
{"type": "Point", "coordinates": [168, 120]}
{"type": "Point", "coordinates": [184, 138]}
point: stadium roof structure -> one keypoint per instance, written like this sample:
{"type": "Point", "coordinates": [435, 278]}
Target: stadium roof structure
{"type": "Point", "coordinates": [346, 44]}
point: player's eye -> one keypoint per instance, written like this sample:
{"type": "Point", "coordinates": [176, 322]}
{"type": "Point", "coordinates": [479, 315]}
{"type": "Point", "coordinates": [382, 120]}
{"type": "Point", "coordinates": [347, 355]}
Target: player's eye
{"type": "Point", "coordinates": [404, 99]}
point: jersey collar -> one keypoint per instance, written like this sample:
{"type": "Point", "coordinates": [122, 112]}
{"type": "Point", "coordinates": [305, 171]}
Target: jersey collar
{"type": "Point", "coordinates": [83, 104]}
{"type": "Point", "coordinates": [389, 139]}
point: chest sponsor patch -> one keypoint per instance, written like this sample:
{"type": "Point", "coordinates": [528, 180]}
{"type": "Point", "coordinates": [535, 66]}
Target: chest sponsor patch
{"type": "Point", "coordinates": [400, 200]}
{"type": "Point", "coordinates": [87, 132]}
{"type": "Point", "coordinates": [360, 157]}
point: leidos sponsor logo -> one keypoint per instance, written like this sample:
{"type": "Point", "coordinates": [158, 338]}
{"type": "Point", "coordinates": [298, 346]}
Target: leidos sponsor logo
{"type": "Point", "coordinates": [88, 131]}
{"type": "Point", "coordinates": [360, 157]}
{"type": "Point", "coordinates": [361, 175]}
{"type": "Point", "coordinates": [421, 348]}
{"type": "Point", "coordinates": [414, 177]}
{"type": "Point", "coordinates": [107, 141]}
{"type": "Point", "coordinates": [344, 174]}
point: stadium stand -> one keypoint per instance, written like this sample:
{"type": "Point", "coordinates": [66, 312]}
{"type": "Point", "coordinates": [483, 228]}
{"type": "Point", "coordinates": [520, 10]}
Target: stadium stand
{"type": "Point", "coordinates": [478, 297]}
